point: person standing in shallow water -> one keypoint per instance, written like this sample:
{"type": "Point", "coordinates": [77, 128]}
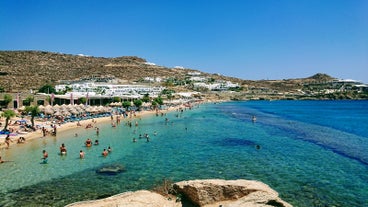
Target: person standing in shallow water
{"type": "Point", "coordinates": [81, 154]}
{"type": "Point", "coordinates": [45, 156]}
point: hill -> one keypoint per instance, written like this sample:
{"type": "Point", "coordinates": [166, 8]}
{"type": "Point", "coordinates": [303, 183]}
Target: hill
{"type": "Point", "coordinates": [21, 71]}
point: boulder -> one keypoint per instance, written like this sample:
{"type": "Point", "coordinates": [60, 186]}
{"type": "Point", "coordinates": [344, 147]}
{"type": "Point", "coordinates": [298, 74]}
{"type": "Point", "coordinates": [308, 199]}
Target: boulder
{"type": "Point", "coordinates": [226, 193]}
{"type": "Point", "coordinates": [203, 193]}
{"type": "Point", "coordinates": [142, 198]}
{"type": "Point", "coordinates": [111, 169]}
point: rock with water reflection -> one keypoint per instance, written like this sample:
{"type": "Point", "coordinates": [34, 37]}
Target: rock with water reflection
{"type": "Point", "coordinates": [113, 169]}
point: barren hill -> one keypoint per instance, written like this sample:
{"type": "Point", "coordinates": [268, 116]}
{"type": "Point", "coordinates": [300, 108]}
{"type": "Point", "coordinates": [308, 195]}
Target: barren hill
{"type": "Point", "coordinates": [24, 70]}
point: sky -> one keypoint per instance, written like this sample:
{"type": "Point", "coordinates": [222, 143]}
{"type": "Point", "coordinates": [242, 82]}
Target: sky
{"type": "Point", "coordinates": [248, 39]}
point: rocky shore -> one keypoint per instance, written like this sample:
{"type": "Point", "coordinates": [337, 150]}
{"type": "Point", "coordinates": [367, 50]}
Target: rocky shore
{"type": "Point", "coordinates": [203, 193]}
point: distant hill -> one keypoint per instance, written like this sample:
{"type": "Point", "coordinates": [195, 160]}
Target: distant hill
{"type": "Point", "coordinates": [24, 70]}
{"type": "Point", "coordinates": [20, 70]}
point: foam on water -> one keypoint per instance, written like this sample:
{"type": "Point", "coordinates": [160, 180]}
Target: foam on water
{"type": "Point", "coordinates": [309, 164]}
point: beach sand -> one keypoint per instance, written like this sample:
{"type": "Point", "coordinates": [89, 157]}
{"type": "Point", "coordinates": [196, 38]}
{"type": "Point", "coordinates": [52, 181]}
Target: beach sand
{"type": "Point", "coordinates": [73, 125]}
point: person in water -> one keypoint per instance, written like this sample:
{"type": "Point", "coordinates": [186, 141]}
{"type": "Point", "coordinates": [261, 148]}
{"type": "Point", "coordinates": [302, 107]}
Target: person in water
{"type": "Point", "coordinates": [88, 142]}
{"type": "Point", "coordinates": [81, 154]}
{"type": "Point", "coordinates": [109, 149]}
{"type": "Point", "coordinates": [96, 142]}
{"type": "Point", "coordinates": [62, 149]}
{"type": "Point", "coordinates": [105, 153]}
{"type": "Point", "coordinates": [45, 156]}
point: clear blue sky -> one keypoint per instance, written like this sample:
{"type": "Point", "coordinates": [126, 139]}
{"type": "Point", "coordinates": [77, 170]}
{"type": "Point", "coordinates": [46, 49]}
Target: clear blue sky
{"type": "Point", "coordinates": [249, 39]}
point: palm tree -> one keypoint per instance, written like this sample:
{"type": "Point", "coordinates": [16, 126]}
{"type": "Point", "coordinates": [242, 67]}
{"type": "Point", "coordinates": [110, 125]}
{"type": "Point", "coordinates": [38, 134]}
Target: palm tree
{"type": "Point", "coordinates": [34, 110]}
{"type": "Point", "coordinates": [7, 99]}
{"type": "Point", "coordinates": [7, 114]}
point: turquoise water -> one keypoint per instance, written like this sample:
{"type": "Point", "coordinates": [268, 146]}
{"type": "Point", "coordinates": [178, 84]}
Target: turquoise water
{"type": "Point", "coordinates": [314, 153]}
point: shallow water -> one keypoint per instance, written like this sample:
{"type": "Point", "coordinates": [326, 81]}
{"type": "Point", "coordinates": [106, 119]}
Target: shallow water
{"type": "Point", "coordinates": [311, 152]}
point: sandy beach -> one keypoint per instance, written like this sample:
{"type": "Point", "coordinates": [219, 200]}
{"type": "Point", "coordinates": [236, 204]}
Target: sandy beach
{"type": "Point", "coordinates": [95, 122]}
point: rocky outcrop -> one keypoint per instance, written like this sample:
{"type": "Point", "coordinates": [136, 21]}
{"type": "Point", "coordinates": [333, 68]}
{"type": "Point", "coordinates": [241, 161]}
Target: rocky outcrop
{"type": "Point", "coordinates": [142, 198]}
{"type": "Point", "coordinates": [204, 193]}
{"type": "Point", "coordinates": [208, 193]}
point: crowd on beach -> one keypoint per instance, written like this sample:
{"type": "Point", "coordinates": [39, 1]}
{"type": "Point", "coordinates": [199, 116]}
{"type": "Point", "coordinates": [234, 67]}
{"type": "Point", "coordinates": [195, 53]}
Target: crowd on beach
{"type": "Point", "coordinates": [50, 128]}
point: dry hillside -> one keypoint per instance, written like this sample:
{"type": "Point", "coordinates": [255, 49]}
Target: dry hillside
{"type": "Point", "coordinates": [24, 70]}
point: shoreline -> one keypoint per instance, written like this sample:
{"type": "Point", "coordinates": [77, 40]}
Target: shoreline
{"type": "Point", "coordinates": [73, 125]}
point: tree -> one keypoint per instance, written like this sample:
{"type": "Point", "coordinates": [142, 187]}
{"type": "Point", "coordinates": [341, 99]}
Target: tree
{"type": "Point", "coordinates": [47, 89]}
{"type": "Point", "coordinates": [159, 101]}
{"type": "Point", "coordinates": [7, 99]}
{"type": "Point", "coordinates": [28, 100]}
{"type": "Point", "coordinates": [116, 99]}
{"type": "Point", "coordinates": [82, 100]}
{"type": "Point", "coordinates": [34, 111]}
{"type": "Point", "coordinates": [7, 114]}
{"type": "Point", "coordinates": [138, 103]}
{"type": "Point", "coordinates": [154, 104]}
{"type": "Point", "coordinates": [146, 98]}
{"type": "Point", "coordinates": [126, 104]}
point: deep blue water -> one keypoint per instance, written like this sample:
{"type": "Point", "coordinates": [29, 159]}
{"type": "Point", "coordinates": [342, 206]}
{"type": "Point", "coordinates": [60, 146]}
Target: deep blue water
{"type": "Point", "coordinates": [314, 153]}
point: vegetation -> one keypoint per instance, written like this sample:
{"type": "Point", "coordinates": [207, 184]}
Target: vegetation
{"type": "Point", "coordinates": [7, 99]}
{"type": "Point", "coordinates": [2, 90]}
{"type": "Point", "coordinates": [116, 99]}
{"type": "Point", "coordinates": [158, 100]}
{"type": "Point", "coordinates": [126, 104]}
{"type": "Point", "coordinates": [146, 98]}
{"type": "Point", "coordinates": [7, 114]}
{"type": "Point", "coordinates": [82, 100]}
{"type": "Point", "coordinates": [34, 111]}
{"type": "Point", "coordinates": [48, 89]}
{"type": "Point", "coordinates": [28, 100]}
{"type": "Point", "coordinates": [138, 103]}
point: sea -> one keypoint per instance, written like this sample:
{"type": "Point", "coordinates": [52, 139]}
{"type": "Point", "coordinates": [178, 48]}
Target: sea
{"type": "Point", "coordinates": [313, 153]}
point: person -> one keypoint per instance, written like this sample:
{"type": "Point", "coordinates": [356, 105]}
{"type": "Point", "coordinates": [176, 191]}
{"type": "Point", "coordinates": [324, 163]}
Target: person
{"type": "Point", "coordinates": [96, 142]}
{"type": "Point", "coordinates": [21, 140]}
{"type": "Point", "coordinates": [97, 131]}
{"type": "Point", "coordinates": [109, 149]}
{"type": "Point", "coordinates": [7, 141]}
{"type": "Point", "coordinates": [88, 142]}
{"type": "Point", "coordinates": [81, 154]}
{"type": "Point", "coordinates": [134, 140]}
{"type": "Point", "coordinates": [62, 149]}
{"type": "Point", "coordinates": [45, 156]}
{"type": "Point", "coordinates": [105, 153]}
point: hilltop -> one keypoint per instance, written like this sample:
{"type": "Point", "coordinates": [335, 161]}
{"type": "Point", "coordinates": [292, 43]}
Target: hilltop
{"type": "Point", "coordinates": [24, 70]}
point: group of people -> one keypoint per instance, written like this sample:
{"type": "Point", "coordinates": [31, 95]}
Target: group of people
{"type": "Point", "coordinates": [63, 151]}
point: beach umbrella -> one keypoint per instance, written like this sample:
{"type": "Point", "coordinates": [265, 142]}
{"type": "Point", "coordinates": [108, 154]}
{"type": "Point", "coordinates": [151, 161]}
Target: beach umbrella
{"type": "Point", "coordinates": [42, 108]}
{"type": "Point", "coordinates": [49, 110]}
{"type": "Point", "coordinates": [57, 113]}
{"type": "Point", "coordinates": [66, 113]}
{"type": "Point", "coordinates": [75, 112]}
{"type": "Point", "coordinates": [23, 108]}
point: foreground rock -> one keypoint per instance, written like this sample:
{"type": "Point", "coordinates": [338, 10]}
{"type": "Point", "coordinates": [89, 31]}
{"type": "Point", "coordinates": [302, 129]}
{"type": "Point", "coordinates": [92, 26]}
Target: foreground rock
{"type": "Point", "coordinates": [204, 193]}
{"type": "Point", "coordinates": [142, 198]}
{"type": "Point", "coordinates": [233, 193]}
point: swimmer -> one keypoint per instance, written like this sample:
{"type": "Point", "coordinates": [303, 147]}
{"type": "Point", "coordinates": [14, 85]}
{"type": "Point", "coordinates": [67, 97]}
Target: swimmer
{"type": "Point", "coordinates": [96, 142]}
{"type": "Point", "coordinates": [45, 156]}
{"type": "Point", "coordinates": [134, 140]}
{"type": "Point", "coordinates": [88, 142]}
{"type": "Point", "coordinates": [81, 154]}
{"type": "Point", "coordinates": [109, 149]}
{"type": "Point", "coordinates": [62, 149]}
{"type": "Point", "coordinates": [105, 153]}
